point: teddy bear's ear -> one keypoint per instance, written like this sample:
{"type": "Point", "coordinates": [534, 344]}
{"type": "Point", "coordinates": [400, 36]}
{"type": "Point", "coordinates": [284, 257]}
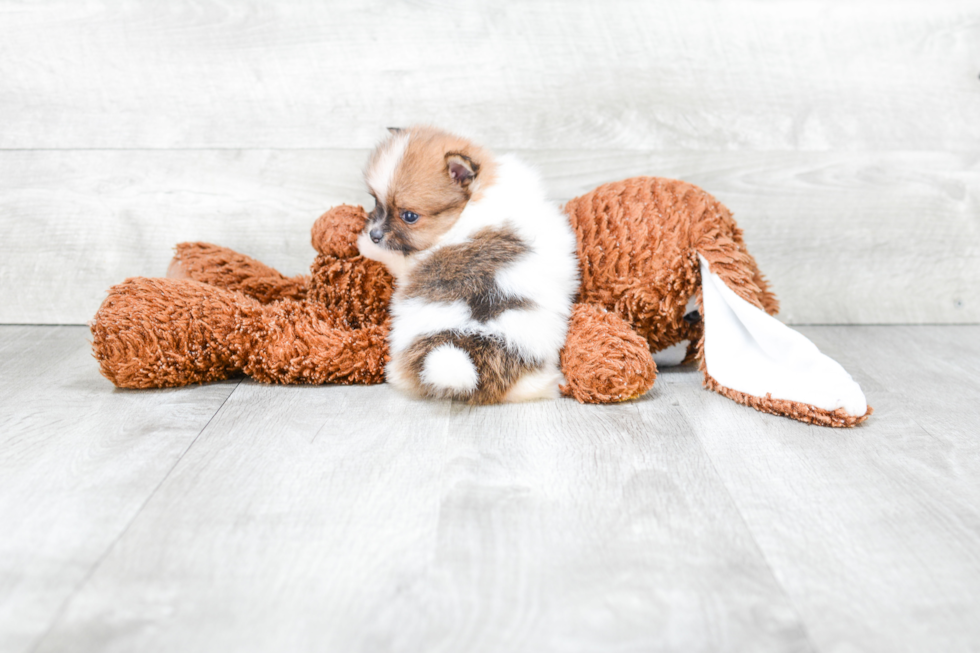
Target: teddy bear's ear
{"type": "Point", "coordinates": [752, 357]}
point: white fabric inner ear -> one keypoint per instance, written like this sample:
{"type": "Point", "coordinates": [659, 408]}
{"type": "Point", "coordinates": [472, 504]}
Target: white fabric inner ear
{"type": "Point", "coordinates": [748, 350]}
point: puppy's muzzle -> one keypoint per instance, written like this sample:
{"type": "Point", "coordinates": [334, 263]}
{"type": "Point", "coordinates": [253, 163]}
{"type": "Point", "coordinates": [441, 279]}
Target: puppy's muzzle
{"type": "Point", "coordinates": [376, 235]}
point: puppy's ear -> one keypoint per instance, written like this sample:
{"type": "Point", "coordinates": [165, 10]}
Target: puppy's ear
{"type": "Point", "coordinates": [462, 169]}
{"type": "Point", "coordinates": [395, 130]}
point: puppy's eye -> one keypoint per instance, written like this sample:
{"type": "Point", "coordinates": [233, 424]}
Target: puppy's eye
{"type": "Point", "coordinates": [410, 216]}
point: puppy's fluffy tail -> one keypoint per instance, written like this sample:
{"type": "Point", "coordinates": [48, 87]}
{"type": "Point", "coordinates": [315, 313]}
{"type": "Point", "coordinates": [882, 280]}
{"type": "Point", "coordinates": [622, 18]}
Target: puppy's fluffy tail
{"type": "Point", "coordinates": [475, 368]}
{"type": "Point", "coordinates": [449, 369]}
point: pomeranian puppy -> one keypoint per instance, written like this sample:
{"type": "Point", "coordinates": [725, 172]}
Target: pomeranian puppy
{"type": "Point", "coordinates": [485, 269]}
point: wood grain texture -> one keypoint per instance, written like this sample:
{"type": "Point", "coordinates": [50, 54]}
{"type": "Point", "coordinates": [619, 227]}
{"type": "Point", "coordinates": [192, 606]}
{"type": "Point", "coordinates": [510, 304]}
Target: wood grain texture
{"type": "Point", "coordinates": [354, 519]}
{"type": "Point", "coordinates": [844, 237]}
{"type": "Point", "coordinates": [77, 462]}
{"type": "Point", "coordinates": [699, 75]}
{"type": "Point", "coordinates": [79, 222]}
{"type": "Point", "coordinates": [874, 532]}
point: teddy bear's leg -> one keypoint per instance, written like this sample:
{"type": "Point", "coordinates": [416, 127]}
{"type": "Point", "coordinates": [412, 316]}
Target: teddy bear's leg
{"type": "Point", "coordinates": [226, 268]}
{"type": "Point", "coordinates": [335, 232]}
{"type": "Point", "coordinates": [752, 358]}
{"type": "Point", "coordinates": [154, 333]}
{"type": "Point", "coordinates": [604, 360]}
{"type": "Point", "coordinates": [356, 290]}
{"type": "Point", "coordinates": [303, 342]}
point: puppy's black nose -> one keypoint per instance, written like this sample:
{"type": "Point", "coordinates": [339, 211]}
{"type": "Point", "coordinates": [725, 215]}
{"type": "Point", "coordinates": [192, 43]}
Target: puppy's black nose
{"type": "Point", "coordinates": [376, 234]}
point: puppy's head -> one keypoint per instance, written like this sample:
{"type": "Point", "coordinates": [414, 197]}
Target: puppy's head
{"type": "Point", "coordinates": [421, 180]}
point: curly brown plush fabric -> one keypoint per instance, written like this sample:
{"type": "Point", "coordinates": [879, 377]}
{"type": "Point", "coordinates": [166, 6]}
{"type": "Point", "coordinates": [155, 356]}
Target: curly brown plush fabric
{"type": "Point", "coordinates": [638, 245]}
{"type": "Point", "coordinates": [228, 314]}
{"type": "Point", "coordinates": [153, 333]}
{"type": "Point", "coordinates": [356, 292]}
{"type": "Point", "coordinates": [604, 359]}
{"type": "Point", "coordinates": [638, 242]}
{"type": "Point", "coordinates": [335, 233]}
{"type": "Point", "coordinates": [794, 409]}
{"type": "Point", "coordinates": [224, 268]}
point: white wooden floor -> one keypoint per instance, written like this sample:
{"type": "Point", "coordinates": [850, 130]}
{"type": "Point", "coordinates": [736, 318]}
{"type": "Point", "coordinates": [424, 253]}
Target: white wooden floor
{"type": "Point", "coordinates": [245, 517]}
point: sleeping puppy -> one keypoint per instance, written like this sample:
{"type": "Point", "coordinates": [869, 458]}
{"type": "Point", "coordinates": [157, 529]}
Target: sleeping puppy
{"type": "Point", "coordinates": [485, 269]}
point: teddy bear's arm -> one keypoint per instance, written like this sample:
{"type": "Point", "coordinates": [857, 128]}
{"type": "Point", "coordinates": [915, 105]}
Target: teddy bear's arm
{"type": "Point", "coordinates": [226, 268]}
{"type": "Point", "coordinates": [604, 360]}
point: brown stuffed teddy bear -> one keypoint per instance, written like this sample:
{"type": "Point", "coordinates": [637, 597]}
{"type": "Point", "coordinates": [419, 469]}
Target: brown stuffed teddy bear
{"type": "Point", "coordinates": [662, 262]}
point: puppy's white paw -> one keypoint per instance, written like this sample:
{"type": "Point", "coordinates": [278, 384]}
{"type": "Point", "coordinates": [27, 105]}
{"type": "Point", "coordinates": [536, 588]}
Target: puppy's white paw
{"type": "Point", "coordinates": [542, 384]}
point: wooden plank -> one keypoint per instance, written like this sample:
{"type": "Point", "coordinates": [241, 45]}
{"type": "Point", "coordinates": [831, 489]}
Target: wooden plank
{"type": "Point", "coordinates": [844, 237]}
{"type": "Point", "coordinates": [697, 75]}
{"type": "Point", "coordinates": [77, 462]}
{"type": "Point", "coordinates": [352, 518]}
{"type": "Point", "coordinates": [79, 222]}
{"type": "Point", "coordinates": [935, 373]}
{"type": "Point", "coordinates": [874, 532]}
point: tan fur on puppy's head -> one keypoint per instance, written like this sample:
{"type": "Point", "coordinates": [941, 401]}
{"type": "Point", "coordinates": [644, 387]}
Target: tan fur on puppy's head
{"type": "Point", "coordinates": [424, 172]}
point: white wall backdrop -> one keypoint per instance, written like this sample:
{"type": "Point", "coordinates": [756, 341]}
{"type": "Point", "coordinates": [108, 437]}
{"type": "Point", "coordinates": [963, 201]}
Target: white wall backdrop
{"type": "Point", "coordinates": [844, 136]}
